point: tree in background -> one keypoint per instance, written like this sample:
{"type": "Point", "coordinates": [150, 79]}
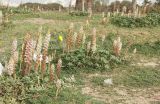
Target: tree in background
{"type": "Point", "coordinates": [83, 3]}
{"type": "Point", "coordinates": [78, 4]}
{"type": "Point", "coordinates": [156, 7]}
{"type": "Point", "coordinates": [146, 6]}
{"type": "Point", "coordinates": [70, 4]}
{"type": "Point", "coordinates": [127, 4]}
{"type": "Point", "coordinates": [158, 2]}
{"type": "Point", "coordinates": [134, 6]}
{"type": "Point", "coordinates": [89, 7]}
{"type": "Point", "coordinates": [114, 5]}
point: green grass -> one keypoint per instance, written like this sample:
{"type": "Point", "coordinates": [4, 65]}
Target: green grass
{"type": "Point", "coordinates": [132, 77]}
{"type": "Point", "coordinates": [24, 16]}
{"type": "Point", "coordinates": [48, 15]}
{"type": "Point", "coordinates": [149, 49]}
{"type": "Point", "coordinates": [98, 81]}
{"type": "Point", "coordinates": [139, 77]}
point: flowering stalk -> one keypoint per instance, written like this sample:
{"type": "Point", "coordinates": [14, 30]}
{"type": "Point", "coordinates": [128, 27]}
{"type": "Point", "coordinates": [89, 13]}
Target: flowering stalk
{"type": "Point", "coordinates": [38, 52]}
{"type": "Point", "coordinates": [51, 72]}
{"type": "Point", "coordinates": [83, 38]}
{"type": "Point", "coordinates": [117, 46]}
{"type": "Point", "coordinates": [15, 56]}
{"type": "Point", "coordinates": [26, 38]}
{"type": "Point", "coordinates": [59, 65]}
{"type": "Point", "coordinates": [28, 51]}
{"type": "Point", "coordinates": [104, 20]}
{"type": "Point", "coordinates": [88, 47]}
{"type": "Point", "coordinates": [58, 83]}
{"type": "Point", "coordinates": [93, 42]}
{"type": "Point", "coordinates": [103, 38]}
{"type": "Point", "coordinates": [21, 57]}
{"type": "Point", "coordinates": [11, 67]}
{"type": "Point", "coordinates": [14, 51]}
{"type": "Point", "coordinates": [14, 46]}
{"type": "Point", "coordinates": [13, 59]}
{"type": "Point", "coordinates": [87, 23]}
{"type": "Point", "coordinates": [103, 14]}
{"type": "Point", "coordinates": [79, 37]}
{"type": "Point", "coordinates": [69, 38]}
{"type": "Point", "coordinates": [74, 39]}
{"type": "Point", "coordinates": [45, 52]}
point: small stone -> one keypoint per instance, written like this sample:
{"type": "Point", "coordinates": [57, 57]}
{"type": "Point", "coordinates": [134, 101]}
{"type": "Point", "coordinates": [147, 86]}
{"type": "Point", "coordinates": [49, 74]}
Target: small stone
{"type": "Point", "coordinates": [108, 81]}
{"type": "Point", "coordinates": [1, 69]}
{"type": "Point", "coordinates": [135, 50]}
{"type": "Point", "coordinates": [73, 78]}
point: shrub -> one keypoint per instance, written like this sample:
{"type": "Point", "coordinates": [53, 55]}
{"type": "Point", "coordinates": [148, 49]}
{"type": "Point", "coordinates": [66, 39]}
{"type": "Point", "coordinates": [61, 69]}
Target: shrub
{"type": "Point", "coordinates": [102, 60]}
{"type": "Point", "coordinates": [152, 19]}
{"type": "Point", "coordinates": [78, 13]}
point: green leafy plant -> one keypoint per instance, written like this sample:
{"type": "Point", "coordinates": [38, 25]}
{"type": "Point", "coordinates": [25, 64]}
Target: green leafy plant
{"type": "Point", "coordinates": [101, 60]}
{"type": "Point", "coordinates": [152, 19]}
{"type": "Point", "coordinates": [78, 13]}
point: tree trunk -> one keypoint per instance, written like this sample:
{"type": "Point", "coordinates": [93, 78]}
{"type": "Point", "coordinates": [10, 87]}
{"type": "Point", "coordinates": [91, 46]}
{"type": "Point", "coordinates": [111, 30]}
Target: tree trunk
{"type": "Point", "coordinates": [70, 5]}
{"type": "Point", "coordinates": [83, 1]}
{"type": "Point", "coordinates": [78, 4]}
{"type": "Point", "coordinates": [134, 4]}
{"type": "Point", "coordinates": [89, 2]}
{"type": "Point", "coordinates": [114, 7]}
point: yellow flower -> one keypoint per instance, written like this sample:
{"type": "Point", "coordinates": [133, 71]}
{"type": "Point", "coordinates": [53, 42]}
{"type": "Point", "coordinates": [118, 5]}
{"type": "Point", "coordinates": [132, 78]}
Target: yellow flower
{"type": "Point", "coordinates": [60, 38]}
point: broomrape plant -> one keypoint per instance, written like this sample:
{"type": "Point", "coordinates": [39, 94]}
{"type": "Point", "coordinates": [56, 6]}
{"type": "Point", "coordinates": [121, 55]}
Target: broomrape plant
{"type": "Point", "coordinates": [117, 46]}
{"type": "Point", "coordinates": [14, 51]}
{"type": "Point", "coordinates": [31, 51]}
{"type": "Point", "coordinates": [88, 48]}
{"type": "Point", "coordinates": [79, 38]}
{"type": "Point", "coordinates": [79, 58]}
{"type": "Point", "coordinates": [45, 52]}
{"type": "Point", "coordinates": [103, 37]}
{"type": "Point", "coordinates": [59, 65]}
{"type": "Point", "coordinates": [87, 23]}
{"type": "Point", "coordinates": [51, 72]}
{"type": "Point", "coordinates": [59, 84]}
{"type": "Point", "coordinates": [38, 56]}
{"type": "Point", "coordinates": [93, 42]}
{"type": "Point", "coordinates": [69, 39]}
{"type": "Point", "coordinates": [13, 59]}
{"type": "Point", "coordinates": [74, 39]}
{"type": "Point", "coordinates": [27, 56]}
{"type": "Point", "coordinates": [83, 39]}
{"type": "Point", "coordinates": [103, 20]}
{"type": "Point", "coordinates": [11, 67]}
{"type": "Point", "coordinates": [103, 14]}
{"type": "Point", "coordinates": [14, 46]}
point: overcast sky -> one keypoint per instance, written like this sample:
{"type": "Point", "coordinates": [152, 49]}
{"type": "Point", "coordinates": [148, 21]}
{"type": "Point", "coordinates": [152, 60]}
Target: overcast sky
{"type": "Point", "coordinates": [63, 2]}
